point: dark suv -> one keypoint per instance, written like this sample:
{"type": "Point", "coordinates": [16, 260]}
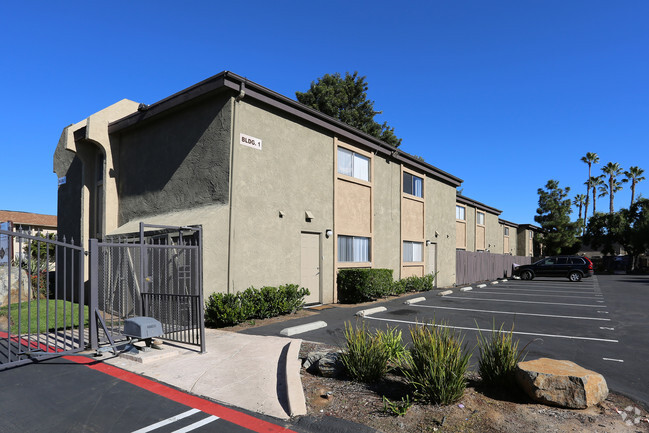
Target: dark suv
{"type": "Point", "coordinates": [572, 267]}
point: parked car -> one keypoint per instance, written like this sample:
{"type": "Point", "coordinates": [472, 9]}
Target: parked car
{"type": "Point", "coordinates": [572, 267]}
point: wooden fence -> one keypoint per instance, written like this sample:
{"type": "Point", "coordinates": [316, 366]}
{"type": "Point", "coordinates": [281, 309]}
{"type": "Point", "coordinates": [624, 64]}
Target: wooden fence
{"type": "Point", "coordinates": [473, 267]}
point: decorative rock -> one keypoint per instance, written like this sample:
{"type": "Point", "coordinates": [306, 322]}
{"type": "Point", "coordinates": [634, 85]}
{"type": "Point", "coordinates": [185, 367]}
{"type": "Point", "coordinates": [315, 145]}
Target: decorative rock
{"type": "Point", "coordinates": [561, 383]}
{"type": "Point", "coordinates": [326, 364]}
{"type": "Point", "coordinates": [25, 289]}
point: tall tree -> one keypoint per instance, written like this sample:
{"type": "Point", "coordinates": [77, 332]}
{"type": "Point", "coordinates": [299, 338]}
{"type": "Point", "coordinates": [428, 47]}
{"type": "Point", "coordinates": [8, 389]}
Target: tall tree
{"type": "Point", "coordinates": [613, 170]}
{"type": "Point", "coordinates": [579, 202]}
{"type": "Point", "coordinates": [346, 100]}
{"type": "Point", "coordinates": [595, 183]}
{"type": "Point", "coordinates": [636, 235]}
{"type": "Point", "coordinates": [634, 175]}
{"type": "Point", "coordinates": [590, 159]}
{"type": "Point", "coordinates": [553, 215]}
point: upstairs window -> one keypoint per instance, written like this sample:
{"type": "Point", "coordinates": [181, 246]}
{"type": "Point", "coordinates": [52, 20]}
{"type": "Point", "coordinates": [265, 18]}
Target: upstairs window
{"type": "Point", "coordinates": [480, 218]}
{"type": "Point", "coordinates": [354, 165]}
{"type": "Point", "coordinates": [353, 249]}
{"type": "Point", "coordinates": [413, 185]}
{"type": "Point", "coordinates": [506, 231]}
{"type": "Point", "coordinates": [460, 213]}
{"type": "Point", "coordinates": [413, 251]}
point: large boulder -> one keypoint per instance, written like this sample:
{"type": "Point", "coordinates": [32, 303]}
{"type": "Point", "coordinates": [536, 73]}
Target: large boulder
{"type": "Point", "coordinates": [561, 383]}
{"type": "Point", "coordinates": [19, 280]}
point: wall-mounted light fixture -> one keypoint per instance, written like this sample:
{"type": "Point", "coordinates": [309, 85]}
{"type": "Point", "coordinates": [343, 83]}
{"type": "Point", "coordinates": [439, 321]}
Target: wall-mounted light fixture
{"type": "Point", "coordinates": [328, 233]}
{"type": "Point", "coordinates": [281, 214]}
{"type": "Point", "coordinates": [436, 233]}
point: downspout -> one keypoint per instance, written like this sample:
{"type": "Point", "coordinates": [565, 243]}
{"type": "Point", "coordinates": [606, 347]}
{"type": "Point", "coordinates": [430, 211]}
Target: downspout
{"type": "Point", "coordinates": [239, 97]}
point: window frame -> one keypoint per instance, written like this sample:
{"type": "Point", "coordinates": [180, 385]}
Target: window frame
{"type": "Point", "coordinates": [412, 179]}
{"type": "Point", "coordinates": [478, 214]}
{"type": "Point", "coordinates": [457, 207]}
{"type": "Point", "coordinates": [410, 245]}
{"type": "Point", "coordinates": [353, 252]}
{"type": "Point", "coordinates": [353, 155]}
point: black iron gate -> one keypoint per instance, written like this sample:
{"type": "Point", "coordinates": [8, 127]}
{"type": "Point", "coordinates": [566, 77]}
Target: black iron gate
{"type": "Point", "coordinates": [42, 312]}
{"type": "Point", "coordinates": [157, 273]}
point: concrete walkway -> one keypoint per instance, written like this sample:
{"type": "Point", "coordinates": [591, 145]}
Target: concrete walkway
{"type": "Point", "coordinates": [260, 374]}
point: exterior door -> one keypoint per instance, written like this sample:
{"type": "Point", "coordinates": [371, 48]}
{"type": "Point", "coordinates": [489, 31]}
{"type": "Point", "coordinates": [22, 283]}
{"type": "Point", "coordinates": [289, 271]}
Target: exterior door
{"type": "Point", "coordinates": [431, 267]}
{"type": "Point", "coordinates": [310, 266]}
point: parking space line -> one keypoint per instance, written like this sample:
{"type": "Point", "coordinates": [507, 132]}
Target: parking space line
{"type": "Point", "coordinates": [167, 421]}
{"type": "Point", "coordinates": [614, 360]}
{"type": "Point", "coordinates": [524, 302]}
{"type": "Point", "coordinates": [463, 328]}
{"type": "Point", "coordinates": [539, 290]}
{"type": "Point", "coordinates": [534, 294]}
{"type": "Point", "coordinates": [514, 313]}
{"type": "Point", "coordinates": [197, 424]}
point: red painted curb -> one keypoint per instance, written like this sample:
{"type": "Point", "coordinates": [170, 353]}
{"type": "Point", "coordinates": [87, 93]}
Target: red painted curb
{"type": "Point", "coordinates": [231, 415]}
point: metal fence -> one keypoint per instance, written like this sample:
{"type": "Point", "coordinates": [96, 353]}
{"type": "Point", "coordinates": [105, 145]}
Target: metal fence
{"type": "Point", "coordinates": [42, 312]}
{"type": "Point", "coordinates": [471, 267]}
{"type": "Point", "coordinates": [157, 273]}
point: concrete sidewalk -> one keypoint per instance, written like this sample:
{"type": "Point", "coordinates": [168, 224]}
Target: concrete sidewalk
{"type": "Point", "coordinates": [257, 373]}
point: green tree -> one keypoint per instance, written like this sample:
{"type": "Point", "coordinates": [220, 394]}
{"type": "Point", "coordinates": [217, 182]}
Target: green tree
{"type": "Point", "coordinates": [553, 215]}
{"type": "Point", "coordinates": [613, 170]}
{"type": "Point", "coordinates": [595, 183]}
{"type": "Point", "coordinates": [590, 159]}
{"type": "Point", "coordinates": [635, 237]}
{"type": "Point", "coordinates": [605, 230]}
{"type": "Point", "coordinates": [579, 202]}
{"type": "Point", "coordinates": [346, 100]}
{"type": "Point", "coordinates": [634, 175]}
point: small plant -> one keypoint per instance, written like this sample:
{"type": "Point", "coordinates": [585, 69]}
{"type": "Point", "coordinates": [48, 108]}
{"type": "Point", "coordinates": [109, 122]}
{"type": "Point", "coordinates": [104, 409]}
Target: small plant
{"type": "Point", "coordinates": [498, 356]}
{"type": "Point", "coordinates": [398, 353]}
{"type": "Point", "coordinates": [397, 408]}
{"type": "Point", "coordinates": [365, 356]}
{"type": "Point", "coordinates": [439, 363]}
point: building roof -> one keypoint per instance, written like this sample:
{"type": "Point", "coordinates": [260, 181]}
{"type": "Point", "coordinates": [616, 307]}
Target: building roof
{"type": "Point", "coordinates": [248, 89]}
{"type": "Point", "coordinates": [26, 218]}
{"type": "Point", "coordinates": [507, 223]}
{"type": "Point", "coordinates": [476, 204]}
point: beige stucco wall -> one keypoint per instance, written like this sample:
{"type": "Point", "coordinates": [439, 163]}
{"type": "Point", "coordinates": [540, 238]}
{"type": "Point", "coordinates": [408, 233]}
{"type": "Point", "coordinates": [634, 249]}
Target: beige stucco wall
{"type": "Point", "coordinates": [513, 239]}
{"type": "Point", "coordinates": [470, 227]}
{"type": "Point", "coordinates": [493, 234]}
{"type": "Point", "coordinates": [440, 218]}
{"type": "Point", "coordinates": [387, 215]}
{"type": "Point", "coordinates": [291, 174]}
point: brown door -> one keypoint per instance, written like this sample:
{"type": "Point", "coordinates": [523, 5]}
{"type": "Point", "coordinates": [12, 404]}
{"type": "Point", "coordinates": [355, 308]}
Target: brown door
{"type": "Point", "coordinates": [310, 266]}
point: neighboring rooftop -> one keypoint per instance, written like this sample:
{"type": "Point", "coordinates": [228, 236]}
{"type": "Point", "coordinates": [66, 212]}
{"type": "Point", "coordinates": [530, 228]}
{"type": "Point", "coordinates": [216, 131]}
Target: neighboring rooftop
{"type": "Point", "coordinates": [26, 218]}
{"type": "Point", "coordinates": [473, 203]}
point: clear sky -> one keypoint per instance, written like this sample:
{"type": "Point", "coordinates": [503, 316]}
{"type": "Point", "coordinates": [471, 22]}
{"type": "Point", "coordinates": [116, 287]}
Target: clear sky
{"type": "Point", "coordinates": [503, 94]}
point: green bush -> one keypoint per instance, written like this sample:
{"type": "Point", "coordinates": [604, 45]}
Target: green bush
{"type": "Point", "coordinates": [227, 309]}
{"type": "Point", "coordinates": [414, 284]}
{"type": "Point", "coordinates": [438, 365]}
{"type": "Point", "coordinates": [398, 353]}
{"type": "Point", "coordinates": [362, 285]}
{"type": "Point", "coordinates": [365, 356]}
{"type": "Point", "coordinates": [498, 357]}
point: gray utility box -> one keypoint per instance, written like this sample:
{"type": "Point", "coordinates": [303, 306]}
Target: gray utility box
{"type": "Point", "coordinates": [142, 327]}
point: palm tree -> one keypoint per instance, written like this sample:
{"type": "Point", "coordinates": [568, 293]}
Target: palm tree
{"type": "Point", "coordinates": [613, 170]}
{"type": "Point", "coordinates": [590, 159]}
{"type": "Point", "coordinates": [579, 202]}
{"type": "Point", "coordinates": [596, 182]}
{"type": "Point", "coordinates": [634, 175]}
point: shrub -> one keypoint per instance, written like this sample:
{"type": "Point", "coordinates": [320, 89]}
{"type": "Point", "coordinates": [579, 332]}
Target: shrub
{"type": "Point", "coordinates": [498, 356]}
{"type": "Point", "coordinates": [439, 363]}
{"type": "Point", "coordinates": [391, 338]}
{"type": "Point", "coordinates": [414, 284]}
{"type": "Point", "coordinates": [362, 285]}
{"type": "Point", "coordinates": [365, 356]}
{"type": "Point", "coordinates": [229, 309]}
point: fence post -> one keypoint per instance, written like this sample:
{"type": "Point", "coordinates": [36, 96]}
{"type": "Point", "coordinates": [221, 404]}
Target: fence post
{"type": "Point", "coordinates": [143, 306]}
{"type": "Point", "coordinates": [94, 292]}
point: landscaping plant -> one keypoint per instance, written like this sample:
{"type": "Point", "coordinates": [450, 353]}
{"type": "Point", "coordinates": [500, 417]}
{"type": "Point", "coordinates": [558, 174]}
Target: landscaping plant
{"type": "Point", "coordinates": [398, 353]}
{"type": "Point", "coordinates": [365, 355]}
{"type": "Point", "coordinates": [438, 365]}
{"type": "Point", "coordinates": [498, 356]}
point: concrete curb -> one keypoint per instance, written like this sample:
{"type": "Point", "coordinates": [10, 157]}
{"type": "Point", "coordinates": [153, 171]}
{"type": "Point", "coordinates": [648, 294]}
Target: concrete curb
{"type": "Point", "coordinates": [504, 281]}
{"type": "Point", "coordinates": [445, 292]}
{"type": "Point", "coordinates": [481, 286]}
{"type": "Point", "coordinates": [369, 311]}
{"type": "Point", "coordinates": [494, 282]}
{"type": "Point", "coordinates": [299, 329]}
{"type": "Point", "coordinates": [466, 289]}
{"type": "Point", "coordinates": [414, 300]}
{"type": "Point", "coordinates": [294, 391]}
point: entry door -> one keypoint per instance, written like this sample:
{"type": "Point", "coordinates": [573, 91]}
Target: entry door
{"type": "Point", "coordinates": [431, 267]}
{"type": "Point", "coordinates": [310, 267]}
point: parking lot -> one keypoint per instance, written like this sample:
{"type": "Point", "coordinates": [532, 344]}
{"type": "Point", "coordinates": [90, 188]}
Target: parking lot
{"type": "Point", "coordinates": [599, 323]}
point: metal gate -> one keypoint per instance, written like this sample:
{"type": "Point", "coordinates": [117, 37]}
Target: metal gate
{"type": "Point", "coordinates": [42, 312]}
{"type": "Point", "coordinates": [155, 273]}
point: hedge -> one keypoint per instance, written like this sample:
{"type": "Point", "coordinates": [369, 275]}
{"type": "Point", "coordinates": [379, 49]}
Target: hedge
{"type": "Point", "coordinates": [228, 309]}
{"type": "Point", "coordinates": [363, 285]}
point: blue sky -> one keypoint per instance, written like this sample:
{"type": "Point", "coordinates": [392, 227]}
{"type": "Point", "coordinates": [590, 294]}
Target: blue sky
{"type": "Point", "coordinates": [503, 94]}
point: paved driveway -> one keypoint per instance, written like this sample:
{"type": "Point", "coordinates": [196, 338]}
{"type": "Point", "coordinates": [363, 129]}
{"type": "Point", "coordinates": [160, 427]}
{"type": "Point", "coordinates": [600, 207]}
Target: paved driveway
{"type": "Point", "coordinates": [600, 323]}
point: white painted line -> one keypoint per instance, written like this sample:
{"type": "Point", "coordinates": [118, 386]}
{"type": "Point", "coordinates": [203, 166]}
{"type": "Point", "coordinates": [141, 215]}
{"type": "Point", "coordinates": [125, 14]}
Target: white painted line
{"type": "Point", "coordinates": [527, 302]}
{"type": "Point", "coordinates": [367, 312]}
{"type": "Point", "coordinates": [494, 282]}
{"type": "Point", "coordinates": [516, 313]}
{"type": "Point", "coordinates": [414, 300]}
{"type": "Point", "coordinates": [544, 295]}
{"type": "Point", "coordinates": [614, 360]}
{"type": "Point", "coordinates": [602, 312]}
{"type": "Point", "coordinates": [167, 421]}
{"type": "Point", "coordinates": [466, 289]}
{"type": "Point", "coordinates": [534, 334]}
{"type": "Point", "coordinates": [197, 424]}
{"type": "Point", "coordinates": [445, 293]}
{"type": "Point", "coordinates": [606, 329]}
{"type": "Point", "coordinates": [505, 280]}
{"type": "Point", "coordinates": [569, 292]}
{"type": "Point", "coordinates": [294, 330]}
{"type": "Point", "coordinates": [481, 286]}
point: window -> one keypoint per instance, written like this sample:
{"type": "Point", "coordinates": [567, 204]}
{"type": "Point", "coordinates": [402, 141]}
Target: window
{"type": "Point", "coordinates": [460, 213]}
{"type": "Point", "coordinates": [530, 235]}
{"type": "Point", "coordinates": [413, 251]}
{"type": "Point", "coordinates": [413, 185]}
{"type": "Point", "coordinates": [506, 231]}
{"type": "Point", "coordinates": [353, 249]}
{"type": "Point", "coordinates": [354, 165]}
{"type": "Point", "coordinates": [480, 218]}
